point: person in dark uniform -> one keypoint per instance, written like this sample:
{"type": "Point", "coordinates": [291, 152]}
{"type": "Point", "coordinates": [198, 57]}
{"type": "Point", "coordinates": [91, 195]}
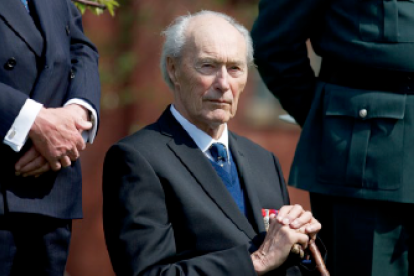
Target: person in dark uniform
{"type": "Point", "coordinates": [49, 99]}
{"type": "Point", "coordinates": [355, 155]}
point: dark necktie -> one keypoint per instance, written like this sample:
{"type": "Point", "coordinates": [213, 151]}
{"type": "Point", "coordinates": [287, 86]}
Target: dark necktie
{"type": "Point", "coordinates": [26, 4]}
{"type": "Point", "coordinates": [219, 153]}
{"type": "Point", "coordinates": [227, 171]}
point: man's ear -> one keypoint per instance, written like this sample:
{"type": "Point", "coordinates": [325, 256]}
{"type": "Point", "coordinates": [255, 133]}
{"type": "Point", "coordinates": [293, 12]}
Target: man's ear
{"type": "Point", "coordinates": [172, 69]}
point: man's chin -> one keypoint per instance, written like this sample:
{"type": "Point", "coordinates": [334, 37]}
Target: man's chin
{"type": "Point", "coordinates": [219, 119]}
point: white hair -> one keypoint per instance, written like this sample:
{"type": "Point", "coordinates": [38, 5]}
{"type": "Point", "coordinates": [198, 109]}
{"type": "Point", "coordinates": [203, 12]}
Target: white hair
{"type": "Point", "coordinates": [175, 39]}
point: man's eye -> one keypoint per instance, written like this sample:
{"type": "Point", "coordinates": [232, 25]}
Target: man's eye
{"type": "Point", "coordinates": [235, 71]}
{"type": "Point", "coordinates": [206, 68]}
{"type": "Point", "coordinates": [207, 65]}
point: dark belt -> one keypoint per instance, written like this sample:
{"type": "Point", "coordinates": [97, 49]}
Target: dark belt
{"type": "Point", "coordinates": [355, 76]}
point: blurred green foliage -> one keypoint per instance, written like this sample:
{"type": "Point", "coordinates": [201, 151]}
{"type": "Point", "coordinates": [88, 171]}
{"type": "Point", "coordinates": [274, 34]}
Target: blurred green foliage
{"type": "Point", "coordinates": [97, 6]}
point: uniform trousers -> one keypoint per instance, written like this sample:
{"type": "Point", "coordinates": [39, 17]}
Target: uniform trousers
{"type": "Point", "coordinates": [366, 237]}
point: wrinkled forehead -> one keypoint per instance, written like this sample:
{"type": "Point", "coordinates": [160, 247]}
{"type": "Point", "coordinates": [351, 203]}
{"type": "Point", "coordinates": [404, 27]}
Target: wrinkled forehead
{"type": "Point", "coordinates": [213, 37]}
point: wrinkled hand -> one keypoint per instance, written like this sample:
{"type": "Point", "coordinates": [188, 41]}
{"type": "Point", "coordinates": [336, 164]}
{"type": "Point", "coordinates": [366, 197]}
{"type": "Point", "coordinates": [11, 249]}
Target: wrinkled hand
{"type": "Point", "coordinates": [56, 134]}
{"type": "Point", "coordinates": [31, 164]}
{"type": "Point", "coordinates": [292, 226]}
{"type": "Point", "coordinates": [297, 218]}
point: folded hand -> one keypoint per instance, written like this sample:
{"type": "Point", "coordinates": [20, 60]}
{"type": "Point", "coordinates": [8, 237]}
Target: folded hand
{"type": "Point", "coordinates": [56, 135]}
{"type": "Point", "coordinates": [292, 226]}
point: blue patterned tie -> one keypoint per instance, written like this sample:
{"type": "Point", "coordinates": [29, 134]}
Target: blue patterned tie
{"type": "Point", "coordinates": [219, 153]}
{"type": "Point", "coordinates": [26, 4]}
{"type": "Point", "coordinates": [226, 169]}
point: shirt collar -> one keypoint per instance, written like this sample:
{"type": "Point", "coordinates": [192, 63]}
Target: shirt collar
{"type": "Point", "coordinates": [202, 139]}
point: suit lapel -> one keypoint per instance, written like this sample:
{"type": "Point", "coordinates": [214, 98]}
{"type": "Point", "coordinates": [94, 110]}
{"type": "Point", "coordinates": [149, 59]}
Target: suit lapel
{"type": "Point", "coordinates": [45, 14]}
{"type": "Point", "coordinates": [17, 18]}
{"type": "Point", "coordinates": [50, 20]}
{"type": "Point", "coordinates": [248, 179]}
{"type": "Point", "coordinates": [199, 166]}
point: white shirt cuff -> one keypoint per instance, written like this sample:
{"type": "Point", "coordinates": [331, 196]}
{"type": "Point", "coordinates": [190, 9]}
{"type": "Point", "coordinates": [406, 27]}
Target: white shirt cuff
{"type": "Point", "coordinates": [17, 135]}
{"type": "Point", "coordinates": [88, 135]}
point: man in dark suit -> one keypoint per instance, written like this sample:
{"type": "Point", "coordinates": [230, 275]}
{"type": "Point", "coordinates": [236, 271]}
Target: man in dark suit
{"type": "Point", "coordinates": [355, 154]}
{"type": "Point", "coordinates": [49, 98]}
{"type": "Point", "coordinates": [184, 196]}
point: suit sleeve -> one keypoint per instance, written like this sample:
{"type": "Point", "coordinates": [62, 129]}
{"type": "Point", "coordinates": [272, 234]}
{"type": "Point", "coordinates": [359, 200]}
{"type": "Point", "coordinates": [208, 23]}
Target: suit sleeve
{"type": "Point", "coordinates": [85, 84]}
{"type": "Point", "coordinates": [11, 101]}
{"type": "Point", "coordinates": [138, 234]}
{"type": "Point", "coordinates": [279, 38]}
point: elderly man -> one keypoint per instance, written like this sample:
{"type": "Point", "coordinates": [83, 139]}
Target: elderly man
{"type": "Point", "coordinates": [184, 196]}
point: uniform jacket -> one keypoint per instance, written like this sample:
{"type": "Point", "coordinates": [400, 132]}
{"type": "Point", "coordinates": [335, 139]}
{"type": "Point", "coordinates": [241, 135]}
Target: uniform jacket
{"type": "Point", "coordinates": [47, 58]}
{"type": "Point", "coordinates": [167, 212]}
{"type": "Point", "coordinates": [356, 134]}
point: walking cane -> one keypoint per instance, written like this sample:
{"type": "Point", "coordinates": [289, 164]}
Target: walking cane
{"type": "Point", "coordinates": [316, 254]}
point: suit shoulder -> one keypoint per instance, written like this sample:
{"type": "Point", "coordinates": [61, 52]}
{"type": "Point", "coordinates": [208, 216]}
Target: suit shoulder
{"type": "Point", "coordinates": [144, 139]}
{"type": "Point", "coordinates": [248, 144]}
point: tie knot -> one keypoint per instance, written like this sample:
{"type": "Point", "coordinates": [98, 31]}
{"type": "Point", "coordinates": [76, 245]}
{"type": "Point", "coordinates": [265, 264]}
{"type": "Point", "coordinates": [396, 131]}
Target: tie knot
{"type": "Point", "coordinates": [218, 152]}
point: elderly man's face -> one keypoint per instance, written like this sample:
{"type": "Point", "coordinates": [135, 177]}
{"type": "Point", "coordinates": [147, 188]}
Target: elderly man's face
{"type": "Point", "coordinates": [212, 73]}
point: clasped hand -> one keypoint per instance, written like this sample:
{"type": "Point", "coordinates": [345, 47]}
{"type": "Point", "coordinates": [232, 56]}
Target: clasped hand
{"type": "Point", "coordinates": [57, 140]}
{"type": "Point", "coordinates": [293, 225]}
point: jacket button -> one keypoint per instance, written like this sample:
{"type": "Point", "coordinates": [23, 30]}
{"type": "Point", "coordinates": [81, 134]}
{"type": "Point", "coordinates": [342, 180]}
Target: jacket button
{"type": "Point", "coordinates": [72, 74]}
{"type": "Point", "coordinates": [363, 113]}
{"type": "Point", "coordinates": [9, 65]}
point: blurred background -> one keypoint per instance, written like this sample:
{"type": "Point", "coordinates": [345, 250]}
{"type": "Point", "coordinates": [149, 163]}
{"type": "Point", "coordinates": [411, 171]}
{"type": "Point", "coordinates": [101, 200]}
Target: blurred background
{"type": "Point", "coordinates": [134, 95]}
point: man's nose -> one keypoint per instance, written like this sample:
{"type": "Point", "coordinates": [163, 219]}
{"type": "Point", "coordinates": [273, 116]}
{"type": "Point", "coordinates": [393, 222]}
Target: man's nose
{"type": "Point", "coordinates": [222, 80]}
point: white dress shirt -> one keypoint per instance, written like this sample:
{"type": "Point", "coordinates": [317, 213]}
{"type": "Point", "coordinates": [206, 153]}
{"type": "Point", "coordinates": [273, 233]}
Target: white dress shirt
{"type": "Point", "coordinates": [202, 139]}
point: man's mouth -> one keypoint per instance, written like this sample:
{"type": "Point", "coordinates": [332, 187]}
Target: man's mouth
{"type": "Point", "coordinates": [218, 101]}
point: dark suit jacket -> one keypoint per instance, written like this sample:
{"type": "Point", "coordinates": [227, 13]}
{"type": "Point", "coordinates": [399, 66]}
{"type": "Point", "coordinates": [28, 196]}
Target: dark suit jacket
{"type": "Point", "coordinates": [371, 47]}
{"type": "Point", "coordinates": [47, 58]}
{"type": "Point", "coordinates": [167, 212]}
